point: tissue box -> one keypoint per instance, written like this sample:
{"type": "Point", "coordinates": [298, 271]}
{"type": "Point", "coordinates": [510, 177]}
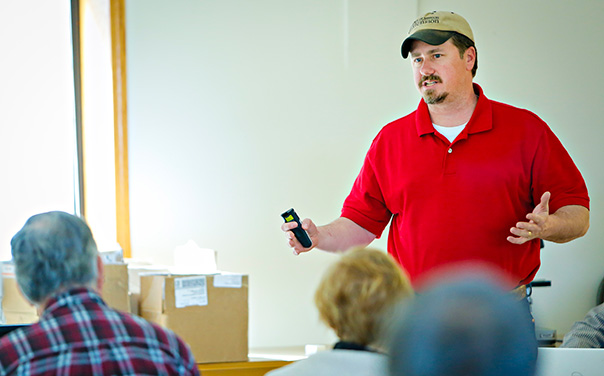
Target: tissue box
{"type": "Point", "coordinates": [209, 312]}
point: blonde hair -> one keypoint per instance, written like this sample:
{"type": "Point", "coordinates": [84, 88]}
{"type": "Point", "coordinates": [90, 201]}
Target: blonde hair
{"type": "Point", "coordinates": [357, 291]}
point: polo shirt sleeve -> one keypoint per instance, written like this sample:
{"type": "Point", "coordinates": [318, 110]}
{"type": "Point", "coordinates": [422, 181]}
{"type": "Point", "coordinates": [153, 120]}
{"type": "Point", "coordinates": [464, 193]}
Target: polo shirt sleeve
{"type": "Point", "coordinates": [555, 171]}
{"type": "Point", "coordinates": [365, 205]}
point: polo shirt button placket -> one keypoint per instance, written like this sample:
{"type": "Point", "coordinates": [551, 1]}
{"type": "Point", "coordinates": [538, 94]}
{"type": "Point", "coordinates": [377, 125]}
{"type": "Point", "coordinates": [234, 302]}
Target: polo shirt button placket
{"type": "Point", "coordinates": [448, 168]}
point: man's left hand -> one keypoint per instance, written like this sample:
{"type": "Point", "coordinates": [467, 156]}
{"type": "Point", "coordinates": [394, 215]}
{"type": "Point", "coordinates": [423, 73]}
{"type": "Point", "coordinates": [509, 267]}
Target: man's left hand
{"type": "Point", "coordinates": [537, 225]}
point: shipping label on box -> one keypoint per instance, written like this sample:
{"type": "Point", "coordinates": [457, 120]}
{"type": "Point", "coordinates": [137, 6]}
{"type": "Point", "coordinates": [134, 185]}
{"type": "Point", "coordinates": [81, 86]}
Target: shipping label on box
{"type": "Point", "coordinates": [190, 291]}
{"type": "Point", "coordinates": [212, 319]}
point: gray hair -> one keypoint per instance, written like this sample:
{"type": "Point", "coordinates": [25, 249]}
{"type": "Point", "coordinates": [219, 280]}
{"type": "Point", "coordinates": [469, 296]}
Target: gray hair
{"type": "Point", "coordinates": [465, 327]}
{"type": "Point", "coordinates": [52, 252]}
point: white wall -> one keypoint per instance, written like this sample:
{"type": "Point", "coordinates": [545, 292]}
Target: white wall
{"type": "Point", "coordinates": [240, 110]}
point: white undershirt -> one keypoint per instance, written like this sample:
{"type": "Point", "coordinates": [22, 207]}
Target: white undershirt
{"type": "Point", "coordinates": [450, 132]}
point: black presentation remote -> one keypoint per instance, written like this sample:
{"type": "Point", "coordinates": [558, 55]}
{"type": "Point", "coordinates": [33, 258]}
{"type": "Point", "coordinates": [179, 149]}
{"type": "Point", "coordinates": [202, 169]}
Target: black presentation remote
{"type": "Point", "coordinates": [301, 235]}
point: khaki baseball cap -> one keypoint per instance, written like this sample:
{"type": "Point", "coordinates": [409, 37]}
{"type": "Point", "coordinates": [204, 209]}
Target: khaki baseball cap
{"type": "Point", "coordinates": [436, 28]}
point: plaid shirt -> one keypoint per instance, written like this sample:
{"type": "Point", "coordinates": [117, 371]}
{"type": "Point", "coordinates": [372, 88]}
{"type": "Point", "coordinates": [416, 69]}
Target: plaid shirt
{"type": "Point", "coordinates": [78, 334]}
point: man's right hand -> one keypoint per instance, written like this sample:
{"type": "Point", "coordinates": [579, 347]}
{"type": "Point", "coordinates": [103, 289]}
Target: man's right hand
{"type": "Point", "coordinates": [309, 227]}
{"type": "Point", "coordinates": [337, 236]}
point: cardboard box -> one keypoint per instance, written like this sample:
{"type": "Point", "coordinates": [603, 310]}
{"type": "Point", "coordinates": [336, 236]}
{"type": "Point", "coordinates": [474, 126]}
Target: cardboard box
{"type": "Point", "coordinates": [135, 269]}
{"type": "Point", "coordinates": [16, 309]}
{"type": "Point", "coordinates": [115, 286]}
{"type": "Point", "coordinates": [209, 312]}
{"type": "Point", "coordinates": [135, 299]}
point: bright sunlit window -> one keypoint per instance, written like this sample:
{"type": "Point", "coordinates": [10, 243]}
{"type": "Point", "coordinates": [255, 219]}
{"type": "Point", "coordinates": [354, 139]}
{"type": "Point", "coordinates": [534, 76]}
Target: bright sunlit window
{"type": "Point", "coordinates": [37, 116]}
{"type": "Point", "coordinates": [37, 121]}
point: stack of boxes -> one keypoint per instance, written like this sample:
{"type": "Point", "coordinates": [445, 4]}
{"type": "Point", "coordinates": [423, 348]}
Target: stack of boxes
{"type": "Point", "coordinates": [208, 311]}
{"type": "Point", "coordinates": [17, 310]}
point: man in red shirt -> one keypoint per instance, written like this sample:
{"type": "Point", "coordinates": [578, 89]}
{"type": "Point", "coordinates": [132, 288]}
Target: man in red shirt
{"type": "Point", "coordinates": [462, 178]}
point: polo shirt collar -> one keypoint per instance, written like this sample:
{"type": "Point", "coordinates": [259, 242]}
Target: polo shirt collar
{"type": "Point", "coordinates": [481, 120]}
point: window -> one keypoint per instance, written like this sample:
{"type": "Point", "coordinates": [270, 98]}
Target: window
{"type": "Point", "coordinates": [37, 116]}
{"type": "Point", "coordinates": [38, 139]}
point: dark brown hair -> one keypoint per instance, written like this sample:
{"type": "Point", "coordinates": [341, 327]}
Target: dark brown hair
{"type": "Point", "coordinates": [463, 43]}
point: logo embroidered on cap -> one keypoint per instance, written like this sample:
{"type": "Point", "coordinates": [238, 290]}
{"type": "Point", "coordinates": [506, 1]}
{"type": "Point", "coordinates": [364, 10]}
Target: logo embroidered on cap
{"type": "Point", "coordinates": [423, 21]}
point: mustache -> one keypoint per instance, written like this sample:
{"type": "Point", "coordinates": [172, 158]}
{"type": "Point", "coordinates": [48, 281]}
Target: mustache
{"type": "Point", "coordinates": [431, 77]}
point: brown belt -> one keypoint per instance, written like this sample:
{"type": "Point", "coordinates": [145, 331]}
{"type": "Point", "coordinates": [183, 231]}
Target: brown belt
{"type": "Point", "coordinates": [519, 292]}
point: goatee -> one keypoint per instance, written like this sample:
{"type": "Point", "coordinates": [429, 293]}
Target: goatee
{"type": "Point", "coordinates": [430, 97]}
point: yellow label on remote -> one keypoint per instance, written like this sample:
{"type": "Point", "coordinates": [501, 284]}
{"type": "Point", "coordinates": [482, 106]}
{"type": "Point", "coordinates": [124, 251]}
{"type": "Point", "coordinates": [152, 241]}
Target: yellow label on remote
{"type": "Point", "coordinates": [289, 218]}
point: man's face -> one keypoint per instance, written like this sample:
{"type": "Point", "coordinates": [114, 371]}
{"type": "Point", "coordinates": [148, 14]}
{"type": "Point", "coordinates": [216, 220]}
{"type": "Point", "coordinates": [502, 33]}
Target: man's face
{"type": "Point", "coordinates": [438, 71]}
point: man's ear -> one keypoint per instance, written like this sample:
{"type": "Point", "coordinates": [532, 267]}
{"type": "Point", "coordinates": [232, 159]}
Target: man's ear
{"type": "Point", "coordinates": [470, 58]}
{"type": "Point", "coordinates": [100, 278]}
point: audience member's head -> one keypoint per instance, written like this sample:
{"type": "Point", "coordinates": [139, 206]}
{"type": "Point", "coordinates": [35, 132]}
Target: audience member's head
{"type": "Point", "coordinates": [52, 252]}
{"type": "Point", "coordinates": [466, 326]}
{"type": "Point", "coordinates": [357, 291]}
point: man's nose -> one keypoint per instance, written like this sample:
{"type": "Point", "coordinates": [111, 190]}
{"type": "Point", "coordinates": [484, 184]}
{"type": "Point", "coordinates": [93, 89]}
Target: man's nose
{"type": "Point", "coordinates": [426, 69]}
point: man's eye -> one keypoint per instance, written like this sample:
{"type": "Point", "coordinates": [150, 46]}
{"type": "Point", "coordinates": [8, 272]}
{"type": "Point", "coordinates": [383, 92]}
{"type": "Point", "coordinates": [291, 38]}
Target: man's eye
{"type": "Point", "coordinates": [436, 56]}
{"type": "Point", "coordinates": [417, 60]}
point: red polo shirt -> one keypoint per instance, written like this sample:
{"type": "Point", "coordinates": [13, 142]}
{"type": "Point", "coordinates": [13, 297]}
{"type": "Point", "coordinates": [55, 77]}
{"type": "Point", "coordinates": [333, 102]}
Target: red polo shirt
{"type": "Point", "coordinates": [453, 202]}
